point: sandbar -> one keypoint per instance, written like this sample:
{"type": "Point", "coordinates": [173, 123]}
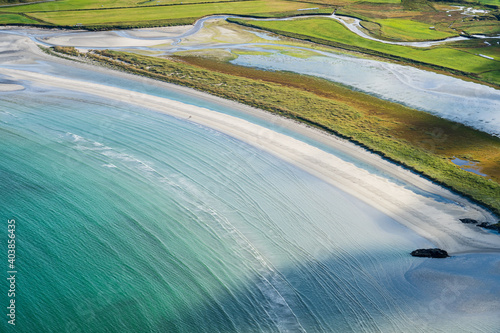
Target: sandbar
{"type": "Point", "coordinates": [10, 87]}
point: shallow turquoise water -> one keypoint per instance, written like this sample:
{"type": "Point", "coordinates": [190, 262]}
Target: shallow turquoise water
{"type": "Point", "coordinates": [130, 220]}
{"type": "Point", "coordinates": [145, 86]}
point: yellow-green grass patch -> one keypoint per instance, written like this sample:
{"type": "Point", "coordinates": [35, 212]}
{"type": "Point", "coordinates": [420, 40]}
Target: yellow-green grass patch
{"type": "Point", "coordinates": [331, 2]}
{"type": "Point", "coordinates": [165, 13]}
{"type": "Point", "coordinates": [372, 27]}
{"type": "Point", "coordinates": [381, 1]}
{"type": "Point", "coordinates": [250, 52]}
{"type": "Point", "coordinates": [338, 3]}
{"type": "Point", "coordinates": [146, 52]}
{"type": "Point", "coordinates": [71, 5]}
{"type": "Point", "coordinates": [179, 2]}
{"type": "Point", "coordinates": [489, 2]}
{"type": "Point", "coordinates": [375, 11]}
{"type": "Point", "coordinates": [217, 54]}
{"type": "Point", "coordinates": [409, 30]}
{"type": "Point", "coordinates": [16, 2]}
{"type": "Point", "coordinates": [299, 53]}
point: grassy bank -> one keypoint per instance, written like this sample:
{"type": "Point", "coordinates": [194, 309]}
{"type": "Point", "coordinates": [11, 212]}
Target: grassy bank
{"type": "Point", "coordinates": [420, 141]}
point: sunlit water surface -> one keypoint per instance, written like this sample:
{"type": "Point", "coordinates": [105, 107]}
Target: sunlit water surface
{"type": "Point", "coordinates": [130, 220]}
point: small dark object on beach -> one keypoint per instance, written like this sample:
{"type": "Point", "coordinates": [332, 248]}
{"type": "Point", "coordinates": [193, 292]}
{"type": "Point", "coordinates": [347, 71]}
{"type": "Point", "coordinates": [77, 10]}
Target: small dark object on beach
{"type": "Point", "coordinates": [471, 221]}
{"type": "Point", "coordinates": [430, 253]}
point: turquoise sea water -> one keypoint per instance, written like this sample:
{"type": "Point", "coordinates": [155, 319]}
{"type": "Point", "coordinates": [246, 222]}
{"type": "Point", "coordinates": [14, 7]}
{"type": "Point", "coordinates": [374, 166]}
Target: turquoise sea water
{"type": "Point", "coordinates": [130, 220]}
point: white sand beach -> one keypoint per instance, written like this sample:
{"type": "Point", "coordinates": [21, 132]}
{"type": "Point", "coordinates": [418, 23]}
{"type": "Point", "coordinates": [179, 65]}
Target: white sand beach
{"type": "Point", "coordinates": [436, 221]}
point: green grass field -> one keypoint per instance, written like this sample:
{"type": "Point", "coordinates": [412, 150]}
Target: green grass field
{"type": "Point", "coordinates": [330, 32]}
{"type": "Point", "coordinates": [59, 14]}
{"type": "Point", "coordinates": [489, 2]}
{"type": "Point", "coordinates": [398, 19]}
{"type": "Point", "coordinates": [15, 2]}
{"type": "Point", "coordinates": [409, 30]}
{"type": "Point", "coordinates": [8, 18]}
{"type": "Point", "coordinates": [348, 2]}
{"type": "Point", "coordinates": [63, 5]}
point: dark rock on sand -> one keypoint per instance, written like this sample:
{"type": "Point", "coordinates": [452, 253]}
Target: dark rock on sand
{"type": "Point", "coordinates": [469, 221]}
{"type": "Point", "coordinates": [430, 253]}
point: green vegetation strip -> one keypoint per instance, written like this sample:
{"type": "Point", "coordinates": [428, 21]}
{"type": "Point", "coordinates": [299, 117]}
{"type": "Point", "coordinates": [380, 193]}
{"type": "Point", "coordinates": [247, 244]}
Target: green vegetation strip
{"type": "Point", "coordinates": [16, 19]}
{"type": "Point", "coordinates": [68, 5]}
{"type": "Point", "coordinates": [416, 140]}
{"type": "Point", "coordinates": [330, 32]}
{"type": "Point", "coordinates": [18, 2]}
{"type": "Point", "coordinates": [144, 15]}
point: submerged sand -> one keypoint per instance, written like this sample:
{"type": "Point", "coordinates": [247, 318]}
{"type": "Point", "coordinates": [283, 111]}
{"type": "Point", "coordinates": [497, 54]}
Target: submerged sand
{"type": "Point", "coordinates": [436, 221]}
{"type": "Point", "coordinates": [10, 87]}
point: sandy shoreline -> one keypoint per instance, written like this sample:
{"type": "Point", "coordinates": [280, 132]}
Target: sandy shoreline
{"type": "Point", "coordinates": [433, 220]}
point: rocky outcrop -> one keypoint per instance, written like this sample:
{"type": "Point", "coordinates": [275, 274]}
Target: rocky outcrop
{"type": "Point", "coordinates": [430, 253]}
{"type": "Point", "coordinates": [485, 225]}
{"type": "Point", "coordinates": [469, 221]}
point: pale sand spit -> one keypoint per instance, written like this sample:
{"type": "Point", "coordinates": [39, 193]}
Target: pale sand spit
{"type": "Point", "coordinates": [10, 87]}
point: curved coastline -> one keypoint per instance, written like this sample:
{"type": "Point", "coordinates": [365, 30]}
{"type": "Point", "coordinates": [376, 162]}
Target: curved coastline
{"type": "Point", "coordinates": [437, 221]}
{"type": "Point", "coordinates": [405, 85]}
{"type": "Point", "coordinates": [213, 215]}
